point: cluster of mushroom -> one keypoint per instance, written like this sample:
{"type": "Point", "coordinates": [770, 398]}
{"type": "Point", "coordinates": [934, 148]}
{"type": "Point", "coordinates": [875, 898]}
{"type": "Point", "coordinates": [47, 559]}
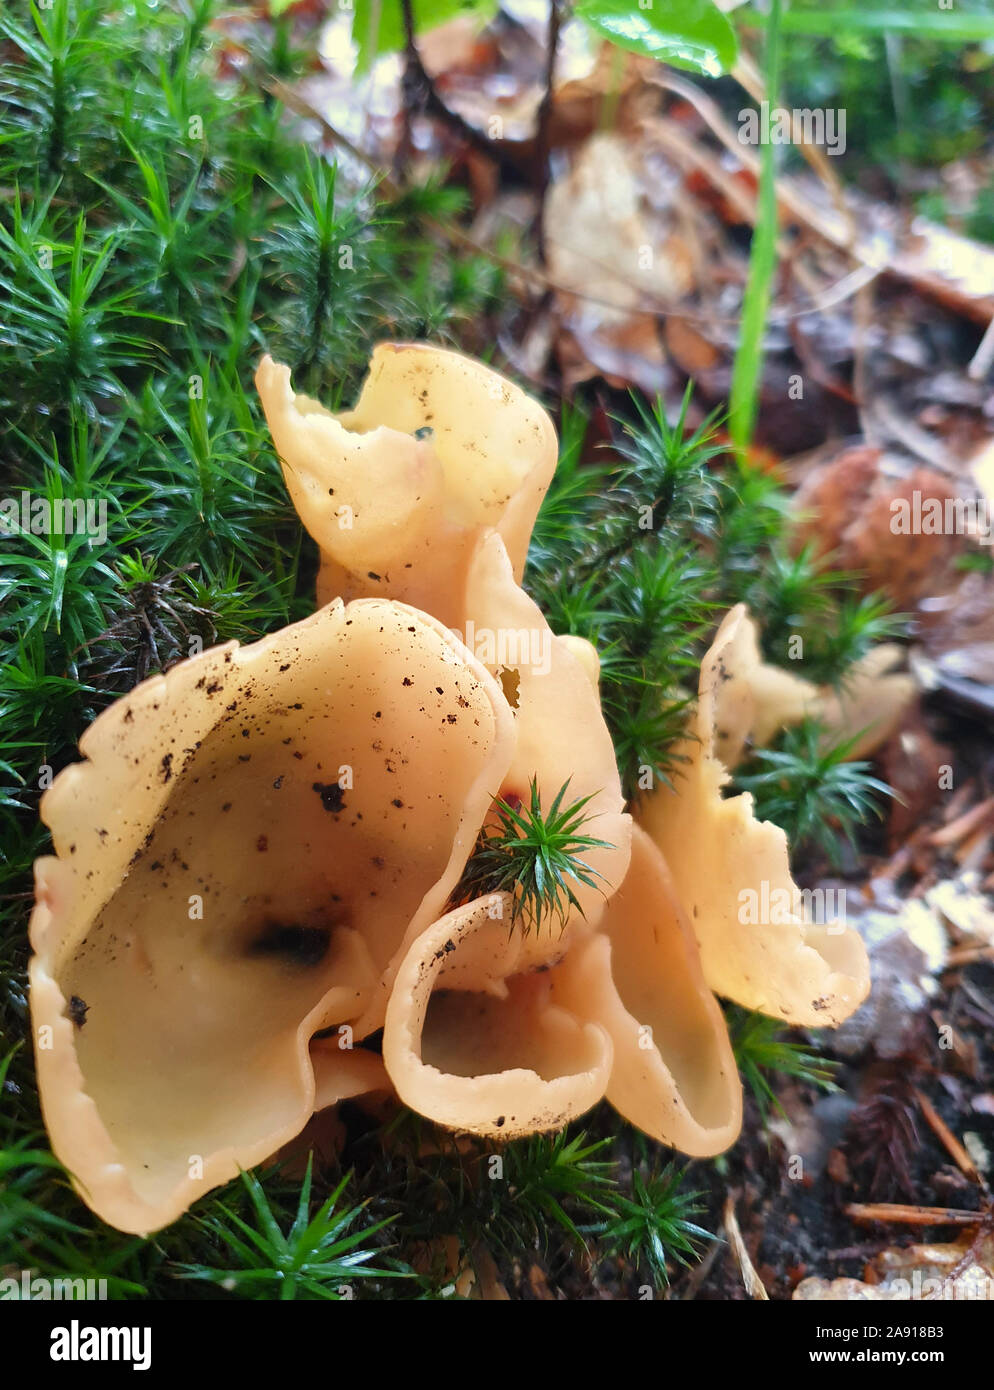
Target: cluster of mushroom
{"type": "Point", "coordinates": [254, 866]}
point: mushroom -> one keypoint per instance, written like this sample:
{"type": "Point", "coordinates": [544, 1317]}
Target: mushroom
{"type": "Point", "coordinates": [756, 700]}
{"type": "Point", "coordinates": [474, 1037]}
{"type": "Point", "coordinates": [560, 738]}
{"type": "Point", "coordinates": [396, 492]}
{"type": "Point", "coordinates": [870, 702]}
{"type": "Point", "coordinates": [478, 1040]}
{"type": "Point", "coordinates": [475, 1040]}
{"type": "Point", "coordinates": [674, 1074]}
{"type": "Point", "coordinates": [446, 521]}
{"type": "Point", "coordinates": [561, 733]}
{"type": "Point", "coordinates": [258, 864]}
{"type": "Point", "coordinates": [726, 864]}
{"type": "Point", "coordinates": [236, 863]}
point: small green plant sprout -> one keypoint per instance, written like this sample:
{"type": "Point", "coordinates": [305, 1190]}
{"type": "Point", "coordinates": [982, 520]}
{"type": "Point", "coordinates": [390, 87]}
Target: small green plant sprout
{"type": "Point", "coordinates": [794, 593]}
{"type": "Point", "coordinates": [761, 1052]}
{"type": "Point", "coordinates": [668, 466]}
{"type": "Point", "coordinates": [546, 1178]}
{"type": "Point", "coordinates": [812, 792]}
{"type": "Point", "coordinates": [532, 855]}
{"type": "Point", "coordinates": [860, 623]}
{"type": "Point", "coordinates": [657, 1223]}
{"type": "Point", "coordinates": [315, 1259]}
{"type": "Point", "coordinates": [646, 728]}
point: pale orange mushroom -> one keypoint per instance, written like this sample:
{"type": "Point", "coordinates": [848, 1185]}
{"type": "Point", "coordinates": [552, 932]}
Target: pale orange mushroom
{"type": "Point", "coordinates": [397, 491]}
{"type": "Point", "coordinates": [474, 1038]}
{"type": "Point", "coordinates": [561, 733]}
{"type": "Point", "coordinates": [756, 700]}
{"type": "Point", "coordinates": [559, 737]}
{"type": "Point", "coordinates": [328, 912]}
{"type": "Point", "coordinates": [732, 871]}
{"type": "Point", "coordinates": [674, 1074]}
{"type": "Point", "coordinates": [477, 1039]}
{"type": "Point", "coordinates": [236, 863]}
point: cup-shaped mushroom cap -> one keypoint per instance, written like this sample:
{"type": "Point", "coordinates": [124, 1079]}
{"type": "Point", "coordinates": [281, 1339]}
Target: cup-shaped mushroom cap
{"type": "Point", "coordinates": [640, 977]}
{"type": "Point", "coordinates": [559, 736]}
{"type": "Point", "coordinates": [870, 702]}
{"type": "Point", "coordinates": [396, 491]}
{"type": "Point", "coordinates": [475, 1043]}
{"type": "Point", "coordinates": [756, 700]}
{"type": "Point", "coordinates": [561, 733]}
{"type": "Point", "coordinates": [732, 875]}
{"type": "Point", "coordinates": [237, 860]}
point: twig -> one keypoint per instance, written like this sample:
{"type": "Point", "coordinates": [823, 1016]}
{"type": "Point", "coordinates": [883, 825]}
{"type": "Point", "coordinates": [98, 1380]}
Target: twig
{"type": "Point", "coordinates": [420, 88]}
{"type": "Point", "coordinates": [968, 955]}
{"type": "Point", "coordinates": [968, 1258]}
{"type": "Point", "coordinates": [952, 1145]}
{"type": "Point", "coordinates": [750, 79]}
{"type": "Point", "coordinates": [754, 1286]}
{"type": "Point", "coordinates": [696, 1277]}
{"type": "Point", "coordinates": [542, 119]}
{"type": "Point", "coordinates": [954, 831]}
{"type": "Point", "coordinates": [980, 363]}
{"type": "Point", "coordinates": [912, 1216]}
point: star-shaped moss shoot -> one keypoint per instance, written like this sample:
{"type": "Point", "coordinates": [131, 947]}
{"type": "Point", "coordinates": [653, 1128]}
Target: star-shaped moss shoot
{"type": "Point", "coordinates": [533, 855]}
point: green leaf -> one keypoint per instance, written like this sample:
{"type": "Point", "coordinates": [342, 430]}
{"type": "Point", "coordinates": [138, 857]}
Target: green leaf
{"type": "Point", "coordinates": [690, 34]}
{"type": "Point", "coordinates": [378, 26]}
{"type": "Point", "coordinates": [945, 26]}
{"type": "Point", "coordinates": [748, 368]}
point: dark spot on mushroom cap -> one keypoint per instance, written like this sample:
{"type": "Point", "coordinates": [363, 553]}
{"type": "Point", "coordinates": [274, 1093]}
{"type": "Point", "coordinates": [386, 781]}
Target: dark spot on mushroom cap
{"type": "Point", "coordinates": [78, 1009]}
{"type": "Point", "coordinates": [297, 945]}
{"type": "Point", "coordinates": [332, 796]}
